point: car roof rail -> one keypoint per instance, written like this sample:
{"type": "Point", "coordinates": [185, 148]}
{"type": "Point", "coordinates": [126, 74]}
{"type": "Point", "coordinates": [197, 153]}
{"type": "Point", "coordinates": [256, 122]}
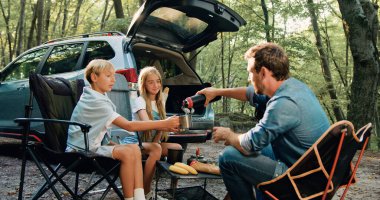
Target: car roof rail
{"type": "Point", "coordinates": [95, 34]}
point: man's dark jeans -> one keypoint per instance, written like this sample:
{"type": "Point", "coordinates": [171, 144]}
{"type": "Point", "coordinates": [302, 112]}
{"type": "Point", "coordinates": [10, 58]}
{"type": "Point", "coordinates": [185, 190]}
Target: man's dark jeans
{"type": "Point", "coordinates": [241, 173]}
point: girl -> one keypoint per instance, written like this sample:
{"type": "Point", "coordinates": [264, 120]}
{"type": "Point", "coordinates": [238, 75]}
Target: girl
{"type": "Point", "coordinates": [149, 106]}
{"type": "Point", "coordinates": [97, 110]}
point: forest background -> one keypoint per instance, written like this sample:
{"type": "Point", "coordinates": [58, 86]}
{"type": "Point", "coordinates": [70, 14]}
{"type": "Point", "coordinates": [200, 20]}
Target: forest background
{"type": "Point", "coordinates": [332, 45]}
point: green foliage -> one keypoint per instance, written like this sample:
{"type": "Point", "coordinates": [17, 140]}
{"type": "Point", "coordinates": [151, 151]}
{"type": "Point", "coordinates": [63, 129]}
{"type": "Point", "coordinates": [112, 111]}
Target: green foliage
{"type": "Point", "coordinates": [289, 26]}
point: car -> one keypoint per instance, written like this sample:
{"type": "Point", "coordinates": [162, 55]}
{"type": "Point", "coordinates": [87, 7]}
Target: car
{"type": "Point", "coordinates": [160, 34]}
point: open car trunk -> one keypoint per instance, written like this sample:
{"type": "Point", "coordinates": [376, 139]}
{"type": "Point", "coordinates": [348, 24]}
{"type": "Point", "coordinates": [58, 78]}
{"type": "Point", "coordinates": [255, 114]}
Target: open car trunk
{"type": "Point", "coordinates": [182, 82]}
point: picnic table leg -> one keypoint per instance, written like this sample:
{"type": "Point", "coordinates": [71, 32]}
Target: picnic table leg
{"type": "Point", "coordinates": [173, 186]}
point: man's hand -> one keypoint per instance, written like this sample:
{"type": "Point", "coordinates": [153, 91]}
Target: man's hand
{"type": "Point", "coordinates": [210, 94]}
{"type": "Point", "coordinates": [222, 134]}
{"type": "Point", "coordinates": [229, 138]}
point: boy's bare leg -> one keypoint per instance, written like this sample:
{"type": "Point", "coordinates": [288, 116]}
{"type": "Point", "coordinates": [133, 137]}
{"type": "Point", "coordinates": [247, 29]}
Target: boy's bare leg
{"type": "Point", "coordinates": [138, 170]}
{"type": "Point", "coordinates": [126, 154]}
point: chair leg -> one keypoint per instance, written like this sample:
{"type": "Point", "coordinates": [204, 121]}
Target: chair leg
{"type": "Point", "coordinates": [108, 189]}
{"type": "Point", "coordinates": [270, 195]}
{"type": "Point", "coordinates": [76, 183]}
{"type": "Point", "coordinates": [59, 178]}
{"type": "Point", "coordinates": [39, 166]}
{"type": "Point", "coordinates": [42, 190]}
{"type": "Point", "coordinates": [355, 169]}
{"type": "Point", "coordinates": [22, 176]}
{"type": "Point", "coordinates": [106, 175]}
{"type": "Point", "coordinates": [98, 181]}
{"type": "Point", "coordinates": [334, 165]}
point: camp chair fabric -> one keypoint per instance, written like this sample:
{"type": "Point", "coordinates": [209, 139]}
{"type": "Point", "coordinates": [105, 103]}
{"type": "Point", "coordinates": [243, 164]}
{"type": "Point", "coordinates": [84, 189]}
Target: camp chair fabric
{"type": "Point", "coordinates": [57, 98]}
{"type": "Point", "coordinates": [323, 168]}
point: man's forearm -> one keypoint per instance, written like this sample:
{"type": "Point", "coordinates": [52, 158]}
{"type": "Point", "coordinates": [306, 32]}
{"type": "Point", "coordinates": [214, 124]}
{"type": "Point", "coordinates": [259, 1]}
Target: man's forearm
{"type": "Point", "coordinates": [236, 93]}
{"type": "Point", "coordinates": [235, 142]}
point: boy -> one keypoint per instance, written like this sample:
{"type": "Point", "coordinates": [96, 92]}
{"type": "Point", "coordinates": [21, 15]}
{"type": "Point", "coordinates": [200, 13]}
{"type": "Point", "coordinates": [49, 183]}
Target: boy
{"type": "Point", "coordinates": [97, 110]}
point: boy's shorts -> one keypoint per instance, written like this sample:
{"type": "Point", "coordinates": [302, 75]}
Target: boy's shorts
{"type": "Point", "coordinates": [105, 150]}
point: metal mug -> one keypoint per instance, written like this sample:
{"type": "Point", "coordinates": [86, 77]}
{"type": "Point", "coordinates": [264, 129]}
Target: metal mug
{"type": "Point", "coordinates": [184, 122]}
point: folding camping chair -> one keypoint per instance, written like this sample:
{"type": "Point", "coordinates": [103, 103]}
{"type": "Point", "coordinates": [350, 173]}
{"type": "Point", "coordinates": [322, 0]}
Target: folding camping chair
{"type": "Point", "coordinates": [323, 168]}
{"type": "Point", "coordinates": [57, 98]}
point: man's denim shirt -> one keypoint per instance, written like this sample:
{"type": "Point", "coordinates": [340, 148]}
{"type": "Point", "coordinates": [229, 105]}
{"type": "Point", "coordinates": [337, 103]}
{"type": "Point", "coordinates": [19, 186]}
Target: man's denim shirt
{"type": "Point", "coordinates": [292, 122]}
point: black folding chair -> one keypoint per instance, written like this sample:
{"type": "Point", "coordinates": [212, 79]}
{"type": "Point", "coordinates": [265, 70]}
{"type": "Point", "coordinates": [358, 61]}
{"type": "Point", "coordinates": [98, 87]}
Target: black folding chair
{"type": "Point", "coordinates": [57, 98]}
{"type": "Point", "coordinates": [324, 168]}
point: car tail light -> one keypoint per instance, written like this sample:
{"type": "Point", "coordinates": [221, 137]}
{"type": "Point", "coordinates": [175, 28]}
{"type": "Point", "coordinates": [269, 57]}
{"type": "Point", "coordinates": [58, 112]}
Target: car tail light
{"type": "Point", "coordinates": [131, 76]}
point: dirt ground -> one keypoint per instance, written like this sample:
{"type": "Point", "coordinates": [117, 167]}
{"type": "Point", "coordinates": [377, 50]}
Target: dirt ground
{"type": "Point", "coordinates": [368, 175]}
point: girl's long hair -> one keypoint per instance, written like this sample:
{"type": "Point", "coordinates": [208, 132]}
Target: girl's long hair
{"type": "Point", "coordinates": [144, 73]}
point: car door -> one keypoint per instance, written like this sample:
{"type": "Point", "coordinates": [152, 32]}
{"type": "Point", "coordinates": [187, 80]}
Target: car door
{"type": "Point", "coordinates": [14, 86]}
{"type": "Point", "coordinates": [183, 25]}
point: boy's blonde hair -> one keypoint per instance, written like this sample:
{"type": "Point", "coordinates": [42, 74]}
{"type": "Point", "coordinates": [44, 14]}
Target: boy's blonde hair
{"type": "Point", "coordinates": [144, 73]}
{"type": "Point", "coordinates": [97, 66]}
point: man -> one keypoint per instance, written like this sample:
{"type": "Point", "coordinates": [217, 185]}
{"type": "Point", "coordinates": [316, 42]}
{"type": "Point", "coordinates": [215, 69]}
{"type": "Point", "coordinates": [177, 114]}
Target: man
{"type": "Point", "coordinates": [293, 120]}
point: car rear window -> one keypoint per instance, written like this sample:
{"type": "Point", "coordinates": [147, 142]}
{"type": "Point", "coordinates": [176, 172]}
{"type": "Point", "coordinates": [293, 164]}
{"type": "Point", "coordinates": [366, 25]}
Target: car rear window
{"type": "Point", "coordinates": [98, 50]}
{"type": "Point", "coordinates": [176, 21]}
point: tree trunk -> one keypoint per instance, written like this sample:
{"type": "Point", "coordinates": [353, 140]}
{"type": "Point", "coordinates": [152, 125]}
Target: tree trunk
{"type": "Point", "coordinates": [266, 21]}
{"type": "Point", "coordinates": [47, 20]}
{"type": "Point", "coordinates": [273, 21]}
{"type": "Point", "coordinates": [362, 23]}
{"type": "Point", "coordinates": [40, 10]}
{"type": "Point", "coordinates": [76, 16]}
{"type": "Point", "coordinates": [103, 22]}
{"type": "Point", "coordinates": [109, 12]}
{"type": "Point", "coordinates": [118, 9]}
{"type": "Point", "coordinates": [9, 34]}
{"type": "Point", "coordinates": [342, 75]}
{"type": "Point", "coordinates": [119, 12]}
{"type": "Point", "coordinates": [324, 63]}
{"type": "Point", "coordinates": [224, 99]}
{"type": "Point", "coordinates": [32, 27]}
{"type": "Point", "coordinates": [230, 79]}
{"type": "Point", "coordinates": [2, 48]}
{"type": "Point", "coordinates": [64, 20]}
{"type": "Point", "coordinates": [21, 23]}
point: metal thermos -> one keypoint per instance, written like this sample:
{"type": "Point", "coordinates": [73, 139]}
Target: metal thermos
{"type": "Point", "coordinates": [194, 101]}
{"type": "Point", "coordinates": [197, 100]}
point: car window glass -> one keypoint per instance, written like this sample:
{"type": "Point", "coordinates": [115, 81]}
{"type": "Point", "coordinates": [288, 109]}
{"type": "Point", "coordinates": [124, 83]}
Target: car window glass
{"type": "Point", "coordinates": [98, 50]}
{"type": "Point", "coordinates": [22, 66]}
{"type": "Point", "coordinates": [177, 21]}
{"type": "Point", "coordinates": [170, 69]}
{"type": "Point", "coordinates": [62, 59]}
{"type": "Point", "coordinates": [166, 67]}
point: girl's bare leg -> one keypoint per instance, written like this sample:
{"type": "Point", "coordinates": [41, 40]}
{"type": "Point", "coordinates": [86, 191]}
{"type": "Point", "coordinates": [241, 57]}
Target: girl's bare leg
{"type": "Point", "coordinates": [153, 150]}
{"type": "Point", "coordinates": [165, 146]}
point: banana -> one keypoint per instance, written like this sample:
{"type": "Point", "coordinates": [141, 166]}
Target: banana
{"type": "Point", "coordinates": [187, 167]}
{"type": "Point", "coordinates": [178, 170]}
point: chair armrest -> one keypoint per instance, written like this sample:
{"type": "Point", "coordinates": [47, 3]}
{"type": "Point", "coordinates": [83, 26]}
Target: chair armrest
{"type": "Point", "coordinates": [84, 127]}
{"type": "Point", "coordinates": [25, 122]}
